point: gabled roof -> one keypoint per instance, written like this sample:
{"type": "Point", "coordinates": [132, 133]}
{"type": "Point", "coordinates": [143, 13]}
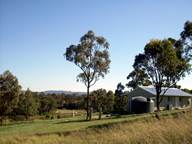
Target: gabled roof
{"type": "Point", "coordinates": [169, 92]}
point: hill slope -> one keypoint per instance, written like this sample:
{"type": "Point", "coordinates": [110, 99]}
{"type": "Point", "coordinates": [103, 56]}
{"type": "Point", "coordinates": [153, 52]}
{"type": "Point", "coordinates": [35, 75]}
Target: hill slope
{"type": "Point", "coordinates": [64, 92]}
{"type": "Point", "coordinates": [175, 128]}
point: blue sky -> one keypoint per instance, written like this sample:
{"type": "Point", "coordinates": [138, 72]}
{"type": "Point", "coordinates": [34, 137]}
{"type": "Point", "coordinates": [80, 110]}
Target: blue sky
{"type": "Point", "coordinates": [35, 33]}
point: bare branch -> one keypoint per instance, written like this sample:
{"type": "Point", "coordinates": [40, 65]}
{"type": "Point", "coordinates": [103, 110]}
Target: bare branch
{"type": "Point", "coordinates": [161, 96]}
{"type": "Point", "coordinates": [96, 79]}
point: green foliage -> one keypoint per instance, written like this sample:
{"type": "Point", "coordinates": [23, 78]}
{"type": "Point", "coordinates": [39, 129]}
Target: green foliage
{"type": "Point", "coordinates": [160, 64]}
{"type": "Point", "coordinates": [121, 104]}
{"type": "Point", "coordinates": [102, 100]}
{"type": "Point", "coordinates": [187, 90]}
{"type": "Point", "coordinates": [9, 93]}
{"type": "Point", "coordinates": [138, 77]}
{"type": "Point", "coordinates": [120, 101]}
{"type": "Point", "coordinates": [186, 39]}
{"type": "Point", "coordinates": [110, 102]}
{"type": "Point", "coordinates": [119, 90]}
{"type": "Point", "coordinates": [74, 102]}
{"type": "Point", "coordinates": [47, 104]}
{"type": "Point", "coordinates": [28, 104]}
{"type": "Point", "coordinates": [92, 57]}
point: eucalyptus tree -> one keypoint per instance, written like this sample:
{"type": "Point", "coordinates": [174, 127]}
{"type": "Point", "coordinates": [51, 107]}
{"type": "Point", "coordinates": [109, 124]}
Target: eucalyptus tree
{"type": "Point", "coordinates": [91, 55]}
{"type": "Point", "coordinates": [161, 65]}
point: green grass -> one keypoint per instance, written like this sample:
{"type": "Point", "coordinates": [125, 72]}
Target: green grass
{"type": "Point", "coordinates": [64, 125]}
{"type": "Point", "coordinates": [67, 124]}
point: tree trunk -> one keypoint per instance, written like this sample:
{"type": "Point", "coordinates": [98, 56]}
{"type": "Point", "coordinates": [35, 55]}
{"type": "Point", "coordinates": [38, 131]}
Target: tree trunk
{"type": "Point", "coordinates": [26, 117]}
{"type": "Point", "coordinates": [100, 112]}
{"type": "Point", "coordinates": [90, 113]}
{"type": "Point", "coordinates": [157, 102]}
{"type": "Point", "coordinates": [1, 121]}
{"type": "Point", "coordinates": [158, 92]}
{"type": "Point", "coordinates": [87, 118]}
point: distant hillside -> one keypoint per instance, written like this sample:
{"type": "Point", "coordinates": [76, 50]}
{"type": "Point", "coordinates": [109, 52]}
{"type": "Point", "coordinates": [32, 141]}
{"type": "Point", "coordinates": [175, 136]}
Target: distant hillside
{"type": "Point", "coordinates": [64, 92]}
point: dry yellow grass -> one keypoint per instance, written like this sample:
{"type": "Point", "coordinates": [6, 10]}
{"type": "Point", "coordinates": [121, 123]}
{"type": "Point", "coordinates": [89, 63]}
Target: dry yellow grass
{"type": "Point", "coordinates": [168, 130]}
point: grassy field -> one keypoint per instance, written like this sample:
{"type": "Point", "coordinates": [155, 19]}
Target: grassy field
{"type": "Point", "coordinates": [174, 127]}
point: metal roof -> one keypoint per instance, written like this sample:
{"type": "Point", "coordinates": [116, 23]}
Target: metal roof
{"type": "Point", "coordinates": [169, 92]}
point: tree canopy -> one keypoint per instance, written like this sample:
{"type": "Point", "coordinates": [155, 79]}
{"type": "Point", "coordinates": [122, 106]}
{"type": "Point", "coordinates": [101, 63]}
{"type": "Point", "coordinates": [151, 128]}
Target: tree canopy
{"type": "Point", "coordinates": [9, 93]}
{"type": "Point", "coordinates": [92, 57]}
{"type": "Point", "coordinates": [102, 99]}
{"type": "Point", "coordinates": [27, 105]}
{"type": "Point", "coordinates": [186, 39]}
{"type": "Point", "coordinates": [120, 100]}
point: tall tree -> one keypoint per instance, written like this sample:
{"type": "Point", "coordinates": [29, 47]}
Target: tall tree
{"type": "Point", "coordinates": [92, 57]}
{"type": "Point", "coordinates": [9, 93]}
{"type": "Point", "coordinates": [162, 64]}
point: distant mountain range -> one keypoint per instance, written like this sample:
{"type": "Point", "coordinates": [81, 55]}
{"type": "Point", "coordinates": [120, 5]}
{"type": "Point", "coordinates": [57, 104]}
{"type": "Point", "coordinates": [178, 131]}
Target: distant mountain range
{"type": "Point", "coordinates": [64, 92]}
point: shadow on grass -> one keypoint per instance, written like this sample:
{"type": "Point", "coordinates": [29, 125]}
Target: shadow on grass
{"type": "Point", "coordinates": [111, 124]}
{"type": "Point", "coordinates": [96, 128]}
{"type": "Point", "coordinates": [131, 116]}
{"type": "Point", "coordinates": [17, 123]}
{"type": "Point", "coordinates": [71, 121]}
{"type": "Point", "coordinates": [82, 120]}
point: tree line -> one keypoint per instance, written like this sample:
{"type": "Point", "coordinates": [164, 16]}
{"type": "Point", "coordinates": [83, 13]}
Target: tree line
{"type": "Point", "coordinates": [16, 102]}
